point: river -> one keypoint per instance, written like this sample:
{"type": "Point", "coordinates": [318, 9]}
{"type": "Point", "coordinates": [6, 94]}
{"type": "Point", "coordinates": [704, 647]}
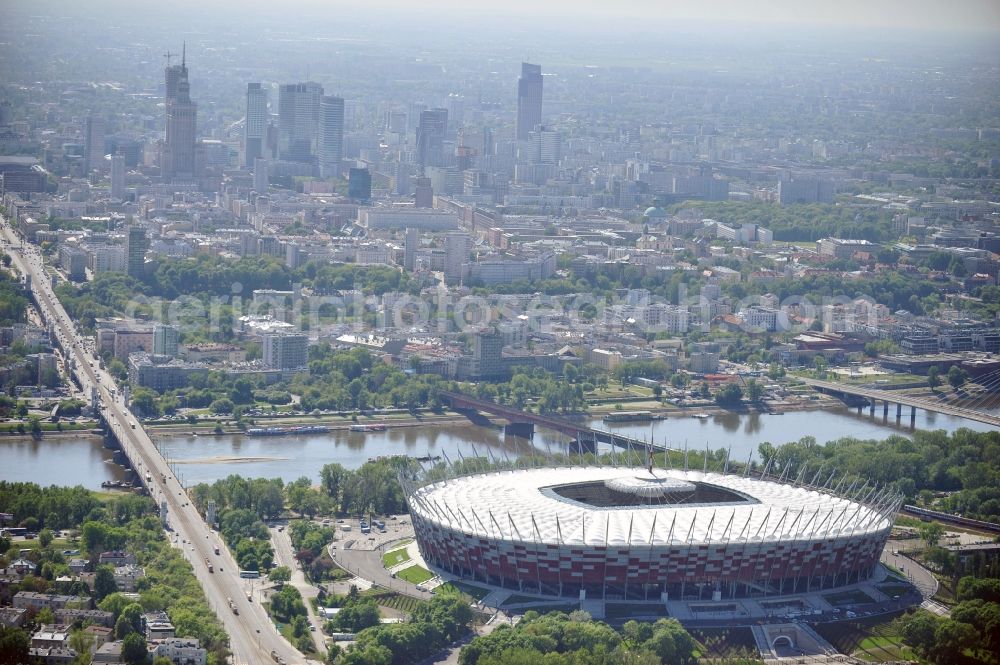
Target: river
{"type": "Point", "coordinates": [84, 461]}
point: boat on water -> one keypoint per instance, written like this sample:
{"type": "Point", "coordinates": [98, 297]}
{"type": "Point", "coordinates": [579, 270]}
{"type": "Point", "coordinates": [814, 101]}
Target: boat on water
{"type": "Point", "coordinates": [700, 416]}
{"type": "Point", "coordinates": [287, 431]}
{"type": "Point", "coordinates": [116, 484]}
{"type": "Point", "coordinates": [369, 427]}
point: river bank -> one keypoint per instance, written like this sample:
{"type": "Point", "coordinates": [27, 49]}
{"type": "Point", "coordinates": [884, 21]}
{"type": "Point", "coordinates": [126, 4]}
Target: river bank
{"type": "Point", "coordinates": [420, 417]}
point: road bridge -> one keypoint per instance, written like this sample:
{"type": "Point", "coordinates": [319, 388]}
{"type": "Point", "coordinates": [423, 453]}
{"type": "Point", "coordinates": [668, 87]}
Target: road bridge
{"type": "Point", "coordinates": [901, 399]}
{"type": "Point", "coordinates": [252, 635]}
{"type": "Point", "coordinates": [522, 423]}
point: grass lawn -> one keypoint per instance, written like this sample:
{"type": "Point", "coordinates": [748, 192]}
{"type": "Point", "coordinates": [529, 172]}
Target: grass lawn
{"type": "Point", "coordinates": [474, 592]}
{"type": "Point", "coordinates": [395, 557]}
{"type": "Point", "coordinates": [875, 643]}
{"type": "Point", "coordinates": [393, 600]}
{"type": "Point", "coordinates": [724, 643]}
{"type": "Point", "coordinates": [415, 574]}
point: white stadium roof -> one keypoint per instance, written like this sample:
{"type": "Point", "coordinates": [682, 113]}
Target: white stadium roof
{"type": "Point", "coordinates": [514, 505]}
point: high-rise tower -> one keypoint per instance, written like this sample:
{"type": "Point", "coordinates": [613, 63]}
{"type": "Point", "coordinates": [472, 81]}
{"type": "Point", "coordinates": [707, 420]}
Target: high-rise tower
{"type": "Point", "coordinates": [255, 125]}
{"type": "Point", "coordinates": [93, 139]}
{"type": "Point", "coordinates": [298, 120]}
{"type": "Point", "coordinates": [430, 137]}
{"type": "Point", "coordinates": [135, 250]}
{"type": "Point", "coordinates": [529, 100]}
{"type": "Point", "coordinates": [331, 136]}
{"type": "Point", "coordinates": [117, 177]}
{"type": "Point", "coordinates": [178, 160]}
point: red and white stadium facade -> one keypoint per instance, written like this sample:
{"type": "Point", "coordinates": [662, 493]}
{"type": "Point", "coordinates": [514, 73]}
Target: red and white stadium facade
{"type": "Point", "coordinates": [651, 534]}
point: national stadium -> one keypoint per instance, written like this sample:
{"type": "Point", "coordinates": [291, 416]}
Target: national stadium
{"type": "Point", "coordinates": [642, 533]}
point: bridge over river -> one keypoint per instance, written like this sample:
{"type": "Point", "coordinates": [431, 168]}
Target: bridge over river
{"type": "Point", "coordinates": [522, 423]}
{"type": "Point", "coordinates": [901, 399]}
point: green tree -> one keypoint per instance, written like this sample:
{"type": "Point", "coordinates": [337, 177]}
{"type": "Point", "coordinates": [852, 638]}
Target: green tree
{"type": "Point", "coordinates": [134, 649]}
{"type": "Point", "coordinates": [931, 533]}
{"type": "Point", "coordinates": [45, 537]}
{"type": "Point", "coordinates": [729, 395]}
{"type": "Point", "coordinates": [104, 582]}
{"type": "Point", "coordinates": [951, 639]}
{"type": "Point", "coordinates": [222, 405]}
{"type": "Point", "coordinates": [332, 477]}
{"type": "Point", "coordinates": [934, 377]}
{"type": "Point", "coordinates": [144, 403]}
{"type": "Point", "coordinates": [279, 575]}
{"type": "Point", "coordinates": [957, 377]}
{"type": "Point", "coordinates": [14, 646]}
{"type": "Point", "coordinates": [81, 642]}
{"type": "Point", "coordinates": [129, 621]}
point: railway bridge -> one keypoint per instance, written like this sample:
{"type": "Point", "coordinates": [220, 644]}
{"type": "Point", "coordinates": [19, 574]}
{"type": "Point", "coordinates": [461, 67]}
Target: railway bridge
{"type": "Point", "coordinates": [522, 423]}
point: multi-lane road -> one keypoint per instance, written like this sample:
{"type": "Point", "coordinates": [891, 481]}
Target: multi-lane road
{"type": "Point", "coordinates": [253, 638]}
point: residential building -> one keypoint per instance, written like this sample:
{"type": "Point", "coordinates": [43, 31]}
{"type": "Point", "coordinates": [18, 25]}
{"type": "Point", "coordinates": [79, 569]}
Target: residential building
{"type": "Point", "coordinates": [456, 252]}
{"type": "Point", "coordinates": [73, 261]}
{"type": "Point", "coordinates": [115, 558]}
{"type": "Point", "coordinates": [107, 258]}
{"type": "Point", "coordinates": [165, 340]}
{"type": "Point", "coordinates": [161, 373]}
{"type": "Point", "coordinates": [805, 190]}
{"type": "Point", "coordinates": [841, 248]}
{"type": "Point", "coordinates": [180, 651]}
{"type": "Point", "coordinates": [284, 350]}
{"type": "Point", "coordinates": [487, 354]}
{"type": "Point", "coordinates": [31, 600]}
{"type": "Point", "coordinates": [127, 575]}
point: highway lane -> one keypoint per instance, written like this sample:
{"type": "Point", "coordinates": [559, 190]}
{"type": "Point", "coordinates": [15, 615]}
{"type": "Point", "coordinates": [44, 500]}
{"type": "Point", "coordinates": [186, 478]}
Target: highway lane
{"type": "Point", "coordinates": [253, 637]}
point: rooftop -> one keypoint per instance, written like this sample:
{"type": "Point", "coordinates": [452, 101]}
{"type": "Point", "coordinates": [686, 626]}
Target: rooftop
{"type": "Point", "coordinates": [618, 505]}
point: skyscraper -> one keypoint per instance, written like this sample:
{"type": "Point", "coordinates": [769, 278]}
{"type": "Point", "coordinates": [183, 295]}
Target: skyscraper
{"type": "Point", "coordinates": [178, 160]}
{"type": "Point", "coordinates": [430, 137]}
{"type": "Point", "coordinates": [255, 125]}
{"type": "Point", "coordinates": [135, 250]}
{"type": "Point", "coordinates": [118, 176]}
{"type": "Point", "coordinates": [529, 100]}
{"type": "Point", "coordinates": [331, 136]}
{"type": "Point", "coordinates": [410, 246]}
{"type": "Point", "coordinates": [298, 120]}
{"type": "Point", "coordinates": [93, 140]}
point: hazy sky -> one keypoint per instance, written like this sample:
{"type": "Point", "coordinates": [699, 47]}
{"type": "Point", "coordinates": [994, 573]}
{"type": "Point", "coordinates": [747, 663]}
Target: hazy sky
{"type": "Point", "coordinates": [974, 15]}
{"type": "Point", "coordinates": [981, 16]}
